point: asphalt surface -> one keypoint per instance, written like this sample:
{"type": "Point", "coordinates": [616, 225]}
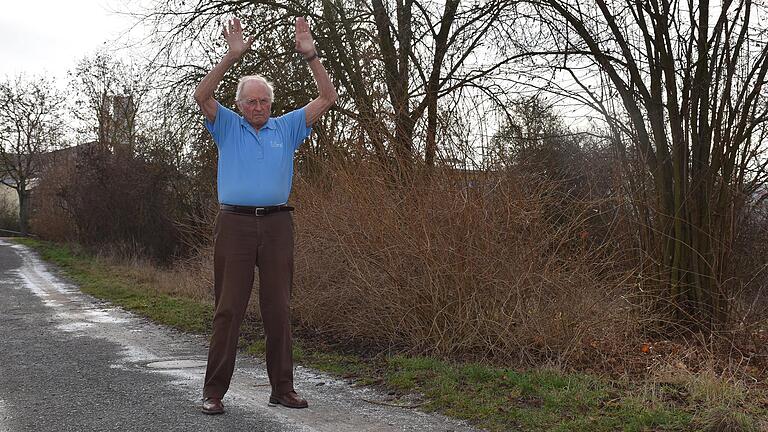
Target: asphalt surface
{"type": "Point", "coordinates": [69, 362]}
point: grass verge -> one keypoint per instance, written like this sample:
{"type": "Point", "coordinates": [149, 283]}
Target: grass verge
{"type": "Point", "coordinates": [99, 280]}
{"type": "Point", "coordinates": [493, 398]}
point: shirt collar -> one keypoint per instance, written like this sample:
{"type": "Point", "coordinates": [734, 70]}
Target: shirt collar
{"type": "Point", "coordinates": [269, 125]}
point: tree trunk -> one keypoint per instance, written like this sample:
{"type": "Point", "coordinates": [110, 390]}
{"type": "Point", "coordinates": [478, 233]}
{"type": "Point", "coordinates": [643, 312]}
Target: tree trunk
{"type": "Point", "coordinates": [23, 208]}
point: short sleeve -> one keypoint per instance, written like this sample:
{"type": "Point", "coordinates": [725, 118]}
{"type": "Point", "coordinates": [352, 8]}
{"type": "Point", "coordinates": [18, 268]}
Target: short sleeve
{"type": "Point", "coordinates": [296, 122]}
{"type": "Point", "coordinates": [222, 126]}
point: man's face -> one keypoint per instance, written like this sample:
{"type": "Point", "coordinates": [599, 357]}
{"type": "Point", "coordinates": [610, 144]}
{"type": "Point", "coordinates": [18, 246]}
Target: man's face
{"type": "Point", "coordinates": [254, 103]}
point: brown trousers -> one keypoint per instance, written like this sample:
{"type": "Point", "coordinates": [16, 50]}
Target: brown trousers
{"type": "Point", "coordinates": [242, 242]}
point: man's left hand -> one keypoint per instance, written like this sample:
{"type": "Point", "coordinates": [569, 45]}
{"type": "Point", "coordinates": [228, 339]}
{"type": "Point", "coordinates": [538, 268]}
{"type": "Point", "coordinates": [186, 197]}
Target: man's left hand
{"type": "Point", "coordinates": [305, 45]}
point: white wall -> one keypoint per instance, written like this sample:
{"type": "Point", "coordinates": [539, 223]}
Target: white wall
{"type": "Point", "coordinates": [9, 202]}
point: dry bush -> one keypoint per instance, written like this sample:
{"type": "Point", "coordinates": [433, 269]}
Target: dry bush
{"type": "Point", "coordinates": [493, 266]}
{"type": "Point", "coordinates": [198, 267]}
{"type": "Point", "coordinates": [750, 267]}
{"type": "Point", "coordinates": [105, 201]}
{"type": "Point", "coordinates": [473, 265]}
{"type": "Point", "coordinates": [50, 218]}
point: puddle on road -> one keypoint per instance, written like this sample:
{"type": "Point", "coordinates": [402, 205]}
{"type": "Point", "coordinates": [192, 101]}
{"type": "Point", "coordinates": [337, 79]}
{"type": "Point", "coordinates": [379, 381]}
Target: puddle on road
{"type": "Point", "coordinates": [177, 364]}
{"type": "Point", "coordinates": [74, 327]}
{"type": "Point", "coordinates": [103, 316]}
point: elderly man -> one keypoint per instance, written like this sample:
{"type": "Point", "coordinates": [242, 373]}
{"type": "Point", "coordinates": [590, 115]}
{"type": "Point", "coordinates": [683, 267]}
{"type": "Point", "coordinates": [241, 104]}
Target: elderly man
{"type": "Point", "coordinates": [254, 226]}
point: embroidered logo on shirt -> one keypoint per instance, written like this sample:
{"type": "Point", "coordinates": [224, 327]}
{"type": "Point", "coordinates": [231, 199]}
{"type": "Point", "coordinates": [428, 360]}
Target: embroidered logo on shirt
{"type": "Point", "coordinates": [278, 144]}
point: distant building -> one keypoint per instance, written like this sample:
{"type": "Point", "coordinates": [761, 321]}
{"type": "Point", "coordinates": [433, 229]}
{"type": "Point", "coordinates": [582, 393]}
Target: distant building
{"type": "Point", "coordinates": [9, 199]}
{"type": "Point", "coordinates": [117, 124]}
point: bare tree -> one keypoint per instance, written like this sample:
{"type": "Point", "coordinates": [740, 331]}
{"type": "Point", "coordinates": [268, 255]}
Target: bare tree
{"type": "Point", "coordinates": [394, 61]}
{"type": "Point", "coordinates": [689, 78]}
{"type": "Point", "coordinates": [30, 128]}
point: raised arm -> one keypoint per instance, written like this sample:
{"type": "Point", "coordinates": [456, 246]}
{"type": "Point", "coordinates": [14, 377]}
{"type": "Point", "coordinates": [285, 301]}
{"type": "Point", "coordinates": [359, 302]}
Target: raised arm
{"type": "Point", "coordinates": [305, 45]}
{"type": "Point", "coordinates": [233, 33]}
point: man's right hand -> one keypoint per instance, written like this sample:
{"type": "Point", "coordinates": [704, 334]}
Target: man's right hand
{"type": "Point", "coordinates": [233, 33]}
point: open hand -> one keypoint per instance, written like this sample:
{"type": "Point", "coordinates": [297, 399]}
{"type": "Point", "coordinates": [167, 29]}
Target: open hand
{"type": "Point", "coordinates": [233, 33]}
{"type": "Point", "coordinates": [305, 45]}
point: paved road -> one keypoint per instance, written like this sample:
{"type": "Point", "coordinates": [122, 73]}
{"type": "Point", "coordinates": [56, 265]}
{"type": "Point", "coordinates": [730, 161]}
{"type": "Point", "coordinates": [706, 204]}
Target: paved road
{"type": "Point", "coordinates": [69, 362]}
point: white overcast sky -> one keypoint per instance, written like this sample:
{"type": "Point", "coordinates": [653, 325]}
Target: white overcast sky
{"type": "Point", "coordinates": [49, 36]}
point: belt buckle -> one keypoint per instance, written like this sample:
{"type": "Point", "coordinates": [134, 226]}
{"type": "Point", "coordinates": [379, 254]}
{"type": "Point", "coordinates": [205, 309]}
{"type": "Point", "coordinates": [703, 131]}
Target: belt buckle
{"type": "Point", "coordinates": [259, 211]}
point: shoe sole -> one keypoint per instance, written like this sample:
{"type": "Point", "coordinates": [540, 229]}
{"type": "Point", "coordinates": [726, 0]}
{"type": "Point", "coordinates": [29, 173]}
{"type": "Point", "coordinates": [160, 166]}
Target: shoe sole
{"type": "Point", "coordinates": [274, 401]}
{"type": "Point", "coordinates": [212, 412]}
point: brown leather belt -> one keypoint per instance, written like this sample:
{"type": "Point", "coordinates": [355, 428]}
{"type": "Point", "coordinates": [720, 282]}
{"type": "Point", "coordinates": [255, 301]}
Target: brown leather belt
{"type": "Point", "coordinates": [254, 211]}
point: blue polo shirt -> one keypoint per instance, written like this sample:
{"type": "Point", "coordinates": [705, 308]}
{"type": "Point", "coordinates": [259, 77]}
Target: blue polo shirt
{"type": "Point", "coordinates": [256, 169]}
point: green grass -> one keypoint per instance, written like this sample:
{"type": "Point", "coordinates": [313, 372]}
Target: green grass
{"type": "Point", "coordinates": [500, 399]}
{"type": "Point", "coordinates": [494, 398]}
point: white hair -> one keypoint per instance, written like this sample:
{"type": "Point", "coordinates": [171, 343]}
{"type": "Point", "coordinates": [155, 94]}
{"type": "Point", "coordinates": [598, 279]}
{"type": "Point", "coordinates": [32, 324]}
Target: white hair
{"type": "Point", "coordinates": [258, 78]}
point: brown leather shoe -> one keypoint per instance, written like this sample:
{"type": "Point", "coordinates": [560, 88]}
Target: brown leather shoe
{"type": "Point", "coordinates": [213, 406]}
{"type": "Point", "coordinates": [290, 400]}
